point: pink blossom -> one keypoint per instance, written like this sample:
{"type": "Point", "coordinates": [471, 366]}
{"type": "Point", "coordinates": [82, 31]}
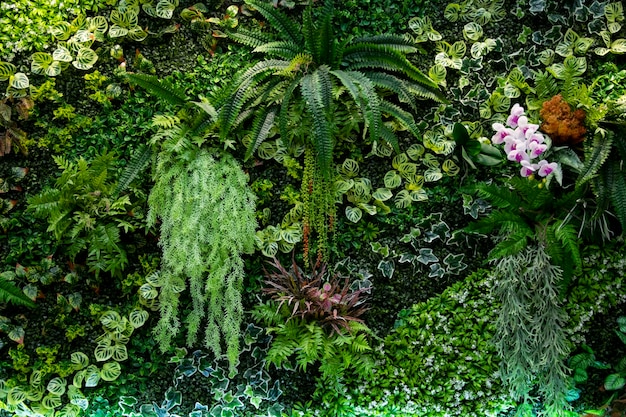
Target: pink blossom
{"type": "Point", "coordinates": [546, 168]}
{"type": "Point", "coordinates": [516, 112]}
{"type": "Point", "coordinates": [527, 168]}
{"type": "Point", "coordinates": [501, 133]}
{"type": "Point", "coordinates": [536, 149]}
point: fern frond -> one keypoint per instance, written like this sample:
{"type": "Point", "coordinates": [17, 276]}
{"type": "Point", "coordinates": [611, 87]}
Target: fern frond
{"type": "Point", "coordinates": [281, 49]}
{"type": "Point", "coordinates": [392, 83]}
{"type": "Point", "coordinates": [567, 235]}
{"type": "Point", "coordinates": [363, 93]}
{"type": "Point", "coordinates": [505, 221]}
{"type": "Point", "coordinates": [246, 83]}
{"type": "Point", "coordinates": [512, 244]}
{"type": "Point", "coordinates": [546, 85]}
{"type": "Point", "coordinates": [534, 197]}
{"type": "Point", "coordinates": [263, 123]}
{"type": "Point", "coordinates": [283, 117]}
{"type": "Point", "coordinates": [311, 86]}
{"type": "Point", "coordinates": [400, 115]}
{"type": "Point", "coordinates": [377, 57]}
{"type": "Point", "coordinates": [596, 154]}
{"type": "Point", "coordinates": [136, 166]}
{"type": "Point", "coordinates": [160, 88]}
{"type": "Point", "coordinates": [499, 196]}
{"type": "Point", "coordinates": [326, 39]}
{"type": "Point", "coordinates": [286, 27]}
{"type": "Point", "coordinates": [392, 42]}
{"type": "Point", "coordinates": [9, 293]}
{"type": "Point", "coordinates": [252, 38]}
{"type": "Point", "coordinates": [616, 181]}
{"type": "Point", "coordinates": [389, 137]}
{"type": "Point", "coordinates": [165, 121]}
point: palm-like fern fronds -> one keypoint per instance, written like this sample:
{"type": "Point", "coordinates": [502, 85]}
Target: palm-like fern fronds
{"type": "Point", "coordinates": [9, 293]}
{"type": "Point", "coordinates": [136, 166]}
{"type": "Point", "coordinates": [160, 88]}
{"type": "Point", "coordinates": [596, 154]}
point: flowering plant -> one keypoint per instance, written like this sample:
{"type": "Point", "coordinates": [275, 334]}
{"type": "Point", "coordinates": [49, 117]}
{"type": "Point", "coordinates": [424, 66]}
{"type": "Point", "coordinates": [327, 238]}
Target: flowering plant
{"type": "Point", "coordinates": [523, 143]}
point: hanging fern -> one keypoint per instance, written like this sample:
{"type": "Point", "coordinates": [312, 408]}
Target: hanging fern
{"type": "Point", "coordinates": [207, 216]}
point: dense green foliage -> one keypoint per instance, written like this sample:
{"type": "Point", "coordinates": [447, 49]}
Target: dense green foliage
{"type": "Point", "coordinates": [289, 129]}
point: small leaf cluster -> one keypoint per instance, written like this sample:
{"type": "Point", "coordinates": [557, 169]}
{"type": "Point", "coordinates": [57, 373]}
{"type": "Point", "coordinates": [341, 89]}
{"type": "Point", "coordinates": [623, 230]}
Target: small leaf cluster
{"type": "Point", "coordinates": [85, 215]}
{"type": "Point", "coordinates": [314, 318]}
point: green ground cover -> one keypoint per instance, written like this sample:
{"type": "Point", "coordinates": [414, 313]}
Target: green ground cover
{"type": "Point", "coordinates": [276, 208]}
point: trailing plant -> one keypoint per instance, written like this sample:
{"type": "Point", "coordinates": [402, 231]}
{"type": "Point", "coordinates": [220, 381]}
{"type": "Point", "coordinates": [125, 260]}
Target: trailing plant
{"type": "Point", "coordinates": [85, 215]}
{"type": "Point", "coordinates": [308, 65]}
{"type": "Point", "coordinates": [207, 216]}
{"type": "Point", "coordinates": [530, 338]}
{"type": "Point", "coordinates": [315, 318]}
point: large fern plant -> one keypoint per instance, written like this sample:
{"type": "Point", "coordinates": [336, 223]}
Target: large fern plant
{"type": "Point", "coordinates": [307, 66]}
{"type": "Point", "coordinates": [604, 156]}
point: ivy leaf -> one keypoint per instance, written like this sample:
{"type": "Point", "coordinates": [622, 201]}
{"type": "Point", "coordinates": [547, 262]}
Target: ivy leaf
{"type": "Point", "coordinates": [426, 256]}
{"type": "Point", "coordinates": [436, 271]}
{"type": "Point", "coordinates": [387, 268]}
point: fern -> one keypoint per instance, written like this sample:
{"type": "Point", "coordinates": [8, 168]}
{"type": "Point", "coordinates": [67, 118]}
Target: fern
{"type": "Point", "coordinates": [208, 221]}
{"type": "Point", "coordinates": [596, 154]}
{"type": "Point", "coordinates": [9, 293]}
{"type": "Point", "coordinates": [136, 166]}
{"type": "Point", "coordinates": [260, 129]}
{"type": "Point", "coordinates": [616, 182]}
{"type": "Point", "coordinates": [160, 88]}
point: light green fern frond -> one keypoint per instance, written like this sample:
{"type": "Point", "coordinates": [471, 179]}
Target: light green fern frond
{"type": "Point", "coordinates": [160, 88]}
{"type": "Point", "coordinates": [596, 153]}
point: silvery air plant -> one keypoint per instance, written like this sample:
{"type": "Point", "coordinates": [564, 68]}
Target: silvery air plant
{"type": "Point", "coordinates": [523, 144]}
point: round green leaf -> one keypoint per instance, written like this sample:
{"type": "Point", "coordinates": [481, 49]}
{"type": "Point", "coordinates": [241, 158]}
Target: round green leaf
{"type": "Point", "coordinates": [392, 179]}
{"type": "Point", "coordinates": [103, 352]}
{"type": "Point", "coordinates": [57, 386]}
{"type": "Point", "coordinates": [16, 395]}
{"type": "Point", "coordinates": [116, 31]}
{"type": "Point", "coordinates": [148, 292]}
{"type": "Point", "coordinates": [472, 31]}
{"type": "Point", "coordinates": [438, 73]}
{"type": "Point", "coordinates": [70, 410]}
{"type": "Point", "coordinates": [415, 151]}
{"type": "Point", "coordinates": [51, 401]}
{"type": "Point", "coordinates": [403, 199]}
{"type": "Point", "coordinates": [61, 30]}
{"type": "Point", "coordinates": [6, 70]}
{"type": "Point", "coordinates": [62, 54]}
{"type": "Point", "coordinates": [137, 318]}
{"type": "Point", "coordinates": [119, 352]}
{"type": "Point", "coordinates": [353, 214]}
{"type": "Point", "coordinates": [36, 378]}
{"type": "Point", "coordinates": [350, 168]}
{"type": "Point", "coordinates": [40, 62]}
{"type": "Point", "coordinates": [432, 174]}
{"type": "Point", "coordinates": [342, 187]}
{"type": "Point", "coordinates": [382, 194]}
{"type": "Point", "coordinates": [110, 371]}
{"type": "Point", "coordinates": [77, 397]}
{"type": "Point", "coordinates": [137, 34]}
{"type": "Point", "coordinates": [79, 360]}
{"type": "Point", "coordinates": [85, 59]}
{"type": "Point", "coordinates": [618, 46]}
{"type": "Point", "coordinates": [97, 24]}
{"type": "Point", "coordinates": [165, 8]}
{"type": "Point", "coordinates": [614, 382]}
{"type": "Point", "coordinates": [19, 81]}
{"type": "Point", "coordinates": [450, 168]}
{"type": "Point", "coordinates": [452, 12]}
{"type": "Point", "coordinates": [92, 376]}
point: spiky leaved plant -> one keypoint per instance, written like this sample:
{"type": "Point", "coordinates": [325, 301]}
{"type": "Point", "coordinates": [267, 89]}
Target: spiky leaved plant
{"type": "Point", "coordinates": [604, 157]}
{"type": "Point", "coordinates": [306, 64]}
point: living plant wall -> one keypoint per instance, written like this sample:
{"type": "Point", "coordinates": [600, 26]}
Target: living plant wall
{"type": "Point", "coordinates": [295, 208]}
